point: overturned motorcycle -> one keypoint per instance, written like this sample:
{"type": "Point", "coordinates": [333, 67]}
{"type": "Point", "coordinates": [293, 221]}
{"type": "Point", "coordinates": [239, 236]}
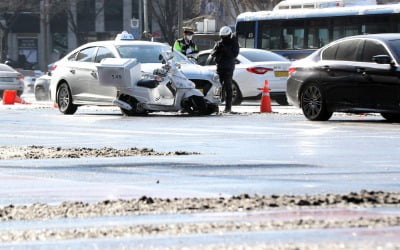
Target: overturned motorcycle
{"type": "Point", "coordinates": [166, 89]}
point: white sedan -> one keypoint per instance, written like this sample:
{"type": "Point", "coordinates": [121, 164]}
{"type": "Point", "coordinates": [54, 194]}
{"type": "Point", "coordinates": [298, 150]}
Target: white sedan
{"type": "Point", "coordinates": [253, 67]}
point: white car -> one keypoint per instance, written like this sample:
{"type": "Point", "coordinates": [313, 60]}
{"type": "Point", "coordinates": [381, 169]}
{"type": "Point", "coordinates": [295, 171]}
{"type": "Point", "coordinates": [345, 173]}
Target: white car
{"type": "Point", "coordinates": [10, 79]}
{"type": "Point", "coordinates": [77, 74]}
{"type": "Point", "coordinates": [253, 67]}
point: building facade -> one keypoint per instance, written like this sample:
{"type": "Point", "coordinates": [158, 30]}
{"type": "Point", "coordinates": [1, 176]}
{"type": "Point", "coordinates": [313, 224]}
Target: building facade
{"type": "Point", "coordinates": [43, 36]}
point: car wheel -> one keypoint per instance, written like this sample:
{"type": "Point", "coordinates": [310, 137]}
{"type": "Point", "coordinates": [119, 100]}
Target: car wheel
{"type": "Point", "coordinates": [391, 117]}
{"type": "Point", "coordinates": [64, 100]}
{"type": "Point", "coordinates": [236, 95]}
{"type": "Point", "coordinates": [40, 94]}
{"type": "Point", "coordinates": [313, 103]}
{"type": "Point", "coordinates": [136, 109]}
{"type": "Point", "coordinates": [281, 100]}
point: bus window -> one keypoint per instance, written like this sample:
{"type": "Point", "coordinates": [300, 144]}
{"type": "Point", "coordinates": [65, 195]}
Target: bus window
{"type": "Point", "coordinates": [318, 34]}
{"type": "Point", "coordinates": [376, 24]}
{"type": "Point", "coordinates": [338, 28]}
{"type": "Point", "coordinates": [245, 34]}
{"type": "Point", "coordinates": [269, 36]}
{"type": "Point", "coordinates": [293, 38]}
{"type": "Point", "coordinates": [353, 26]}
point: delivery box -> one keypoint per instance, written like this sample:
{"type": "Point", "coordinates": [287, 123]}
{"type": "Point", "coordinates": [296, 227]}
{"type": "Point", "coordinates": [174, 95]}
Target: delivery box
{"type": "Point", "coordinates": [119, 72]}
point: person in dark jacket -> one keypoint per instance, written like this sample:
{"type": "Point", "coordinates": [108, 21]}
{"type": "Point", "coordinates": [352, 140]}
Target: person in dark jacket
{"type": "Point", "coordinates": [225, 52]}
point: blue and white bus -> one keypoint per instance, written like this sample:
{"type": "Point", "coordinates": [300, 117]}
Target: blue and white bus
{"type": "Point", "coordinates": [297, 32]}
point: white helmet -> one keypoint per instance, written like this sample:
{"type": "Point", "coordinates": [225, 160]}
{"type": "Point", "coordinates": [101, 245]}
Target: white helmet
{"type": "Point", "coordinates": [225, 31]}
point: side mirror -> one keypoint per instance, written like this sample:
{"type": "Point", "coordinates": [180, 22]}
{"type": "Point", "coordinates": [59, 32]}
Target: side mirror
{"type": "Point", "coordinates": [162, 59]}
{"type": "Point", "coordinates": [382, 59]}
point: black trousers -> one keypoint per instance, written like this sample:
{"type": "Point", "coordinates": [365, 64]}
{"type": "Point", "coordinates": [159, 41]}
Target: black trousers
{"type": "Point", "coordinates": [225, 77]}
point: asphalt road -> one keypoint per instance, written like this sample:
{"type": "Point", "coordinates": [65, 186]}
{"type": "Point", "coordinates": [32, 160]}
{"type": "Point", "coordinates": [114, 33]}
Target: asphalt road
{"type": "Point", "coordinates": [245, 152]}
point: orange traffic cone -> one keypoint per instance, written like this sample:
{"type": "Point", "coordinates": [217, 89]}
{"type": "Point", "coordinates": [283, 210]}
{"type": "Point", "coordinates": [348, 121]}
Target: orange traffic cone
{"type": "Point", "coordinates": [9, 96]}
{"type": "Point", "coordinates": [265, 106]}
{"type": "Point", "coordinates": [20, 100]}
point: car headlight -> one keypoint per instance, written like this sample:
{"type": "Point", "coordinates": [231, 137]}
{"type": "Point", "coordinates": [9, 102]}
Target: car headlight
{"type": "Point", "coordinates": [217, 91]}
{"type": "Point", "coordinates": [215, 78]}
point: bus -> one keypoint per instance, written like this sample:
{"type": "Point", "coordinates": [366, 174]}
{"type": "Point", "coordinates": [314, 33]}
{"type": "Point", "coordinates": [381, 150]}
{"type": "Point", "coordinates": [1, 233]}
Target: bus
{"type": "Point", "coordinates": [297, 32]}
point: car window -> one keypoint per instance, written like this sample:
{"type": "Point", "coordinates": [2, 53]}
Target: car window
{"type": "Point", "coordinates": [372, 48]}
{"type": "Point", "coordinates": [72, 57]}
{"type": "Point", "coordinates": [103, 53]}
{"type": "Point", "coordinates": [143, 53]}
{"type": "Point", "coordinates": [347, 50]}
{"type": "Point", "coordinates": [330, 52]}
{"type": "Point", "coordinates": [262, 56]}
{"type": "Point", "coordinates": [86, 55]}
{"type": "Point", "coordinates": [395, 46]}
{"type": "Point", "coordinates": [202, 59]}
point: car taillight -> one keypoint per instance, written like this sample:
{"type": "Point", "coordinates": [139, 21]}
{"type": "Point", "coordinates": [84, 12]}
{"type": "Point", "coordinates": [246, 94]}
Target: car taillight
{"type": "Point", "coordinates": [259, 70]}
{"type": "Point", "coordinates": [292, 70]}
{"type": "Point", "coordinates": [53, 67]}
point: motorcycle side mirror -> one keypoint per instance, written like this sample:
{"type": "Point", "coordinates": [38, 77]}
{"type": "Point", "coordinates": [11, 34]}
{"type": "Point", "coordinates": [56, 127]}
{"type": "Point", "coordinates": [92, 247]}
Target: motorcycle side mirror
{"type": "Point", "coordinates": [161, 58]}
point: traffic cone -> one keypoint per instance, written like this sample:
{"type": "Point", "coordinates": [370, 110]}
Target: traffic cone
{"type": "Point", "coordinates": [20, 100]}
{"type": "Point", "coordinates": [265, 106]}
{"type": "Point", "coordinates": [9, 96]}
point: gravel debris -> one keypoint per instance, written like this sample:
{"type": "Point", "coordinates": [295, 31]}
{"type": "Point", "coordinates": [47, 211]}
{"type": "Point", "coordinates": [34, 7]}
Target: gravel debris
{"type": "Point", "coordinates": [42, 152]}
{"type": "Point", "coordinates": [151, 205]}
{"type": "Point", "coordinates": [193, 228]}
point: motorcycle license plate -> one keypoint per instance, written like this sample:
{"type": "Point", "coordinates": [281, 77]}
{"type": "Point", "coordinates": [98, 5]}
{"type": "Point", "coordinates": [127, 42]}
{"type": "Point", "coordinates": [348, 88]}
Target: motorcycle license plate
{"type": "Point", "coordinates": [281, 73]}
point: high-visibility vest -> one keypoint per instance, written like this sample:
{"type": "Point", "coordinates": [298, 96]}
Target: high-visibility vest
{"type": "Point", "coordinates": [182, 46]}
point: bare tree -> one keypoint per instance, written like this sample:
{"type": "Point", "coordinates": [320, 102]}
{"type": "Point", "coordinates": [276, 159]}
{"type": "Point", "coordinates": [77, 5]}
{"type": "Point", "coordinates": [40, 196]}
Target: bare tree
{"type": "Point", "coordinates": [67, 8]}
{"type": "Point", "coordinates": [165, 13]}
{"type": "Point", "coordinates": [10, 11]}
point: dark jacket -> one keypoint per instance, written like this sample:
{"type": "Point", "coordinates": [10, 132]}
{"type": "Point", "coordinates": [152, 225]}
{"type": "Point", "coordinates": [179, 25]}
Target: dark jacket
{"type": "Point", "coordinates": [225, 52]}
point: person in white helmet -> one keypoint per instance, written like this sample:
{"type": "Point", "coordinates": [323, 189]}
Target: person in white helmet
{"type": "Point", "coordinates": [225, 52]}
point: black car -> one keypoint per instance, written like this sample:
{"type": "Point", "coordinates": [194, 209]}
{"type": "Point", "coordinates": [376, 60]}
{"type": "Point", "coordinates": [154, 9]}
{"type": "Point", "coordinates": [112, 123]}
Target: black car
{"type": "Point", "coordinates": [358, 74]}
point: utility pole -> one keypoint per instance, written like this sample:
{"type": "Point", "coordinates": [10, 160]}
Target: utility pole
{"type": "Point", "coordinates": [45, 5]}
{"type": "Point", "coordinates": [180, 17]}
{"type": "Point", "coordinates": [146, 16]}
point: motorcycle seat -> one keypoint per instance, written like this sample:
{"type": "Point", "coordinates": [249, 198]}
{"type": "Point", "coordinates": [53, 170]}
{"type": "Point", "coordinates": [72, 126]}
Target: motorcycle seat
{"type": "Point", "coordinates": [147, 83]}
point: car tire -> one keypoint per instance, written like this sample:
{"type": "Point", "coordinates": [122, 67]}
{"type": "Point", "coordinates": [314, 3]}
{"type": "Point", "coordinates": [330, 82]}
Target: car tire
{"type": "Point", "coordinates": [236, 94]}
{"type": "Point", "coordinates": [313, 103]}
{"type": "Point", "coordinates": [64, 100]}
{"type": "Point", "coordinates": [41, 94]}
{"type": "Point", "coordinates": [282, 100]}
{"type": "Point", "coordinates": [136, 110]}
{"type": "Point", "coordinates": [390, 117]}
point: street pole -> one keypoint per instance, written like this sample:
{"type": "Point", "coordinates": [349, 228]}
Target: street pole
{"type": "Point", "coordinates": [146, 16]}
{"type": "Point", "coordinates": [180, 17]}
{"type": "Point", "coordinates": [46, 34]}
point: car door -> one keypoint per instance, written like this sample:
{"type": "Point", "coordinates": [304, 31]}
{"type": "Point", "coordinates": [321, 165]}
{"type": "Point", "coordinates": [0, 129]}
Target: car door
{"type": "Point", "coordinates": [337, 73]}
{"type": "Point", "coordinates": [101, 93]}
{"type": "Point", "coordinates": [381, 78]}
{"type": "Point", "coordinates": [85, 75]}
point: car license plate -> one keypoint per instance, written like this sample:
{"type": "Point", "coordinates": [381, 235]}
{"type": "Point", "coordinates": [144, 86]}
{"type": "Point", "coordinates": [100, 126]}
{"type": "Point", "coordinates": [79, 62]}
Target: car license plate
{"type": "Point", "coordinates": [6, 79]}
{"type": "Point", "coordinates": [281, 73]}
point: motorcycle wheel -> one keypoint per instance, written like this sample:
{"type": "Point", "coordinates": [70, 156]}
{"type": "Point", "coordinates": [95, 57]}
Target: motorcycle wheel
{"type": "Point", "coordinates": [197, 105]}
{"type": "Point", "coordinates": [136, 110]}
{"type": "Point", "coordinates": [211, 108]}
